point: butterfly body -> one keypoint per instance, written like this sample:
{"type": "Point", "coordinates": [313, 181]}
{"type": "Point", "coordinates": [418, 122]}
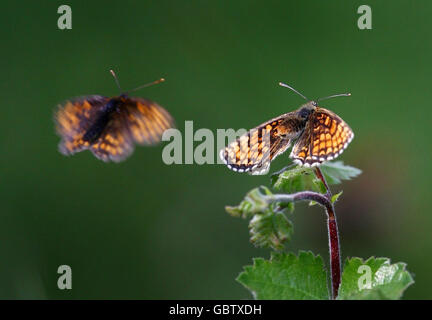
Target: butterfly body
{"type": "Point", "coordinates": [98, 126]}
{"type": "Point", "coordinates": [110, 127]}
{"type": "Point", "coordinates": [319, 135]}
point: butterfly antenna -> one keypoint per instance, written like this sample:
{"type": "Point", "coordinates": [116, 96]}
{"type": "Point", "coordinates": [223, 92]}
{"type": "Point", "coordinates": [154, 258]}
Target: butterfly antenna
{"type": "Point", "coordinates": [335, 95]}
{"type": "Point", "coordinates": [287, 86]}
{"type": "Point", "coordinates": [148, 84]}
{"type": "Point", "coordinates": [116, 79]}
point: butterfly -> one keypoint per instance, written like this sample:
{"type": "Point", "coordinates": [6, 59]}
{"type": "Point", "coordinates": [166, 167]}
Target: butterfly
{"type": "Point", "coordinates": [110, 127]}
{"type": "Point", "coordinates": [319, 135]}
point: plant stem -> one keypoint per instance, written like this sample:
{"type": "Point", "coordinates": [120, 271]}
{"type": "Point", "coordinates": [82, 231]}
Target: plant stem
{"type": "Point", "coordinates": [320, 176]}
{"type": "Point", "coordinates": [325, 201]}
{"type": "Point", "coordinates": [300, 196]}
{"type": "Point", "coordinates": [335, 261]}
{"type": "Point", "coordinates": [333, 233]}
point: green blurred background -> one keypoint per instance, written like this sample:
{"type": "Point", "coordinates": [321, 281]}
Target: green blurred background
{"type": "Point", "coordinates": [142, 229]}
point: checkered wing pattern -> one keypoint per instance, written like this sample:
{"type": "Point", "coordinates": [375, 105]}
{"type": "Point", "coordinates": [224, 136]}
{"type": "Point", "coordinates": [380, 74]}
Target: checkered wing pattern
{"type": "Point", "coordinates": [114, 143]}
{"type": "Point", "coordinates": [325, 137]}
{"type": "Point", "coordinates": [137, 121]}
{"type": "Point", "coordinates": [254, 151]}
{"type": "Point", "coordinates": [74, 118]}
{"type": "Point", "coordinates": [146, 120]}
{"type": "Point", "coordinates": [110, 127]}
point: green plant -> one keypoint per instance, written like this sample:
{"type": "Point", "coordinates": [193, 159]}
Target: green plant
{"type": "Point", "coordinates": [303, 276]}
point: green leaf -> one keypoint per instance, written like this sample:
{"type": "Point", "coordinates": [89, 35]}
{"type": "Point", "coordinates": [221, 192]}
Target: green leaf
{"type": "Point", "coordinates": [335, 172]}
{"type": "Point", "coordinates": [270, 229]}
{"type": "Point", "coordinates": [253, 203]}
{"type": "Point", "coordinates": [374, 279]}
{"type": "Point", "coordinates": [286, 276]}
{"type": "Point", "coordinates": [295, 179]}
{"type": "Point", "coordinates": [298, 179]}
{"type": "Point", "coordinates": [336, 196]}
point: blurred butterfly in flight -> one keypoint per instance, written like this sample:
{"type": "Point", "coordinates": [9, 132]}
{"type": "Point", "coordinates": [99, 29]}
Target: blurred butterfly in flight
{"type": "Point", "coordinates": [110, 127]}
{"type": "Point", "coordinates": [319, 134]}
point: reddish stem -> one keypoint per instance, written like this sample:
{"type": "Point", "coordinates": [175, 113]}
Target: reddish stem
{"type": "Point", "coordinates": [334, 246]}
{"type": "Point", "coordinates": [324, 200]}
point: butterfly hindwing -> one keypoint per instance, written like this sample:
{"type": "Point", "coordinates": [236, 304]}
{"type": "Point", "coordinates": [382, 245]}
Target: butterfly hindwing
{"type": "Point", "coordinates": [115, 143]}
{"type": "Point", "coordinates": [277, 148]}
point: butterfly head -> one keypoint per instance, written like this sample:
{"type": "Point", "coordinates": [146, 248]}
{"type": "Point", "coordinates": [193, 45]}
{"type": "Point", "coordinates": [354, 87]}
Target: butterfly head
{"type": "Point", "coordinates": [305, 110]}
{"type": "Point", "coordinates": [122, 98]}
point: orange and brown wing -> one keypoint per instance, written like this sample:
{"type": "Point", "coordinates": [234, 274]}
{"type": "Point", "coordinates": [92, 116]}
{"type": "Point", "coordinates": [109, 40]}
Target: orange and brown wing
{"type": "Point", "coordinates": [253, 151]}
{"type": "Point", "coordinates": [74, 118]}
{"type": "Point", "coordinates": [146, 120]}
{"type": "Point", "coordinates": [325, 137]}
{"type": "Point", "coordinates": [115, 143]}
{"type": "Point", "coordinates": [138, 121]}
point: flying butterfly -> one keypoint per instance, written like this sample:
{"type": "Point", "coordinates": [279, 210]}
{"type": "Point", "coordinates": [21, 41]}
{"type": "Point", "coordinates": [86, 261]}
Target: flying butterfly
{"type": "Point", "coordinates": [110, 127]}
{"type": "Point", "coordinates": [319, 135]}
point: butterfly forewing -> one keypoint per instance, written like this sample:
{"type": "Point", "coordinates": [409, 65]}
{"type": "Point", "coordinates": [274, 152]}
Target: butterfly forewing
{"type": "Point", "coordinates": [325, 137]}
{"type": "Point", "coordinates": [74, 118]}
{"type": "Point", "coordinates": [254, 151]}
{"type": "Point", "coordinates": [146, 120]}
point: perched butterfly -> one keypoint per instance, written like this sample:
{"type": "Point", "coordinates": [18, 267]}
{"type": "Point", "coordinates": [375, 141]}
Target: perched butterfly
{"type": "Point", "coordinates": [320, 136]}
{"type": "Point", "coordinates": [110, 127]}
